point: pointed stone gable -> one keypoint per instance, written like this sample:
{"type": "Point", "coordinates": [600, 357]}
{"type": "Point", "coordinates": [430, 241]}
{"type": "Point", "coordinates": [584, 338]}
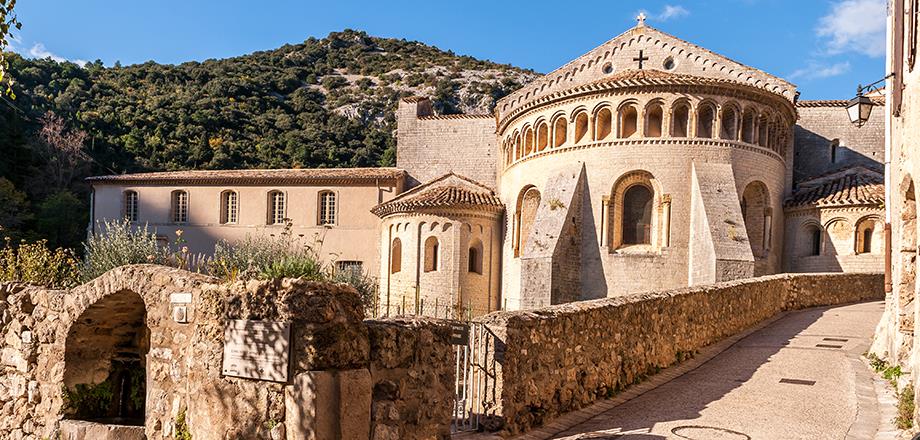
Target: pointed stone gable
{"type": "Point", "coordinates": [659, 52]}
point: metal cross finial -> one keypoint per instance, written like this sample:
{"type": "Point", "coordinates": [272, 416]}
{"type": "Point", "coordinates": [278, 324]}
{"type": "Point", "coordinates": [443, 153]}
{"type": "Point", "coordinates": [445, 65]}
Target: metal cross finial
{"type": "Point", "coordinates": [640, 59]}
{"type": "Point", "coordinates": [641, 18]}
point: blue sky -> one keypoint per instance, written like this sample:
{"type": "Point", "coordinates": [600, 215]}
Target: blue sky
{"type": "Point", "coordinates": [826, 47]}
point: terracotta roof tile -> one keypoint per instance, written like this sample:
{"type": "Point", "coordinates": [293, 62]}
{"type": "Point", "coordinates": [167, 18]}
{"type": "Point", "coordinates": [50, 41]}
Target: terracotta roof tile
{"type": "Point", "coordinates": [440, 193]}
{"type": "Point", "coordinates": [865, 188]}
{"type": "Point", "coordinates": [256, 176]}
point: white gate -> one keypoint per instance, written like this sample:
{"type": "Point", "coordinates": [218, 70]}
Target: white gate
{"type": "Point", "coordinates": [474, 388]}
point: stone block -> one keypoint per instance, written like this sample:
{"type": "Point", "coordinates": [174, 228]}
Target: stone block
{"type": "Point", "coordinates": [323, 405]}
{"type": "Point", "coordinates": [82, 430]}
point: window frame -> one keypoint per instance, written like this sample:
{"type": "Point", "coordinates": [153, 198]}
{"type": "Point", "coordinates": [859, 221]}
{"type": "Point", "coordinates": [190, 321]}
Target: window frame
{"type": "Point", "coordinates": [179, 214]}
{"type": "Point", "coordinates": [322, 211]}
{"type": "Point", "coordinates": [225, 207]}
{"type": "Point", "coordinates": [271, 210]}
{"type": "Point", "coordinates": [130, 211]}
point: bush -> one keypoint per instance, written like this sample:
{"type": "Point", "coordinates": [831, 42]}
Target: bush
{"type": "Point", "coordinates": [119, 244]}
{"type": "Point", "coordinates": [35, 263]}
{"type": "Point", "coordinates": [905, 419]}
{"type": "Point", "coordinates": [272, 256]}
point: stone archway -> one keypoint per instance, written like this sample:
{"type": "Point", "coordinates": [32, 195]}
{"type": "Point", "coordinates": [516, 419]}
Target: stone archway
{"type": "Point", "coordinates": [105, 361]}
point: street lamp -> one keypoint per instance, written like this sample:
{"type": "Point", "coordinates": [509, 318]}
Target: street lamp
{"type": "Point", "coordinates": [860, 107]}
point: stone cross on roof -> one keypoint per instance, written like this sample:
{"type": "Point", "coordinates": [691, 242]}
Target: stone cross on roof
{"type": "Point", "coordinates": [641, 18]}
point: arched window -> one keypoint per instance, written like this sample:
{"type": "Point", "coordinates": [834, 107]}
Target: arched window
{"type": "Point", "coordinates": [432, 254]}
{"type": "Point", "coordinates": [704, 121]}
{"type": "Point", "coordinates": [763, 125]}
{"type": "Point", "coordinates": [755, 202]}
{"type": "Point", "coordinates": [327, 208]}
{"type": "Point", "coordinates": [528, 202]}
{"type": "Point", "coordinates": [229, 207]}
{"type": "Point", "coordinates": [840, 235]}
{"type": "Point", "coordinates": [603, 124]}
{"type": "Point", "coordinates": [680, 121]}
{"type": "Point", "coordinates": [518, 151]}
{"type": "Point", "coordinates": [815, 235]}
{"type": "Point", "coordinates": [396, 256]}
{"type": "Point", "coordinates": [130, 206]}
{"type": "Point", "coordinates": [637, 215]}
{"type": "Point", "coordinates": [654, 116]}
{"type": "Point", "coordinates": [835, 144]}
{"type": "Point", "coordinates": [729, 123]}
{"type": "Point", "coordinates": [581, 126]}
{"type": "Point", "coordinates": [528, 141]}
{"type": "Point", "coordinates": [276, 208]}
{"type": "Point", "coordinates": [747, 127]}
{"type": "Point", "coordinates": [560, 128]}
{"type": "Point", "coordinates": [179, 205]}
{"type": "Point", "coordinates": [542, 136]}
{"type": "Point", "coordinates": [865, 236]}
{"type": "Point", "coordinates": [475, 257]}
{"type": "Point", "coordinates": [627, 119]}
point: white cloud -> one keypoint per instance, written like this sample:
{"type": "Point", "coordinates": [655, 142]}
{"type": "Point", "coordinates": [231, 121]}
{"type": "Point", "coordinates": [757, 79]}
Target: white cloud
{"type": "Point", "coordinates": [38, 50]}
{"type": "Point", "coordinates": [669, 12]}
{"type": "Point", "coordinates": [817, 71]}
{"type": "Point", "coordinates": [855, 26]}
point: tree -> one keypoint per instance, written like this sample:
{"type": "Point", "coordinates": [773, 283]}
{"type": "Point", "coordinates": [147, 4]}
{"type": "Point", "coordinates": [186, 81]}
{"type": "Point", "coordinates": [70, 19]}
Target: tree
{"type": "Point", "coordinates": [62, 149]}
{"type": "Point", "coordinates": [62, 220]}
{"type": "Point", "coordinates": [14, 209]}
{"type": "Point", "coordinates": [8, 21]}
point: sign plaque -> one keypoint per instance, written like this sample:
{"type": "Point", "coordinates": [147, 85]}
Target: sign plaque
{"type": "Point", "coordinates": [257, 350]}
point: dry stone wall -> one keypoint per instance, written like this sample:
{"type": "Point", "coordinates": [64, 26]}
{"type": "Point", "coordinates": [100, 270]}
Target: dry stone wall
{"type": "Point", "coordinates": [51, 340]}
{"type": "Point", "coordinates": [562, 358]}
{"type": "Point", "coordinates": [412, 369]}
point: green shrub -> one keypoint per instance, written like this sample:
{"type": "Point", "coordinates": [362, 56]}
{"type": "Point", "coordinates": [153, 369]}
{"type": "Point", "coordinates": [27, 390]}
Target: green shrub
{"type": "Point", "coordinates": [905, 419]}
{"type": "Point", "coordinates": [35, 263]}
{"type": "Point", "coordinates": [120, 244]}
{"type": "Point", "coordinates": [267, 257]}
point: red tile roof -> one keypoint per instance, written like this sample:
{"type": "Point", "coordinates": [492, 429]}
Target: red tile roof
{"type": "Point", "coordinates": [441, 193]}
{"type": "Point", "coordinates": [848, 188]}
{"type": "Point", "coordinates": [256, 177]}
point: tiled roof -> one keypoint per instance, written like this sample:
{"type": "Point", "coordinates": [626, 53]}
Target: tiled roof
{"type": "Point", "coordinates": [860, 188]}
{"type": "Point", "coordinates": [256, 177]}
{"type": "Point", "coordinates": [463, 193]}
{"type": "Point", "coordinates": [835, 102]}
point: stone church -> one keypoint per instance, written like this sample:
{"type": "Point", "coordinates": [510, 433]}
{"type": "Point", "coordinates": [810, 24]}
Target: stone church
{"type": "Point", "coordinates": [647, 163]}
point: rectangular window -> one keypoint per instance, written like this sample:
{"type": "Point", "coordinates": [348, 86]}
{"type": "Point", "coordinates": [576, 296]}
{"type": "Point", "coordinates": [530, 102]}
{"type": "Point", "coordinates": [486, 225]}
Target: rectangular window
{"type": "Point", "coordinates": [229, 207]}
{"type": "Point", "coordinates": [179, 207]}
{"type": "Point", "coordinates": [130, 206]}
{"type": "Point", "coordinates": [276, 208]}
{"type": "Point", "coordinates": [327, 208]}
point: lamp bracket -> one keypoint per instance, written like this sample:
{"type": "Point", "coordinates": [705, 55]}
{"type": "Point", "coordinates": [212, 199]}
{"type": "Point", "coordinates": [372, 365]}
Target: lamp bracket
{"type": "Point", "coordinates": [871, 87]}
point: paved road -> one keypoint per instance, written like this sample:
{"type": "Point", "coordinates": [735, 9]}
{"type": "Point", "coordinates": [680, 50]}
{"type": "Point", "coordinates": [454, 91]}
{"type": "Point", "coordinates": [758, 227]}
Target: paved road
{"type": "Point", "coordinates": [800, 377]}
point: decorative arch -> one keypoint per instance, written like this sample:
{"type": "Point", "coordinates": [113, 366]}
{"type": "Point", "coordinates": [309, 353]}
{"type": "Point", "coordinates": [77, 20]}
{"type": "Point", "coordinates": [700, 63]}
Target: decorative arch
{"type": "Point", "coordinates": [518, 151]}
{"type": "Point", "coordinates": [839, 233]}
{"type": "Point", "coordinates": [528, 140]}
{"type": "Point", "coordinates": [680, 119]}
{"type": "Point", "coordinates": [869, 235]}
{"type": "Point", "coordinates": [432, 254]}
{"type": "Point", "coordinates": [763, 127]}
{"type": "Point", "coordinates": [654, 119]}
{"type": "Point", "coordinates": [525, 214]}
{"type": "Point", "coordinates": [812, 243]}
{"type": "Point", "coordinates": [603, 123]}
{"type": "Point", "coordinates": [627, 120]}
{"type": "Point", "coordinates": [635, 211]}
{"type": "Point", "coordinates": [560, 131]}
{"type": "Point", "coordinates": [542, 135]}
{"type": "Point", "coordinates": [729, 116]}
{"type": "Point", "coordinates": [705, 119]}
{"type": "Point", "coordinates": [748, 128]}
{"type": "Point", "coordinates": [581, 125]}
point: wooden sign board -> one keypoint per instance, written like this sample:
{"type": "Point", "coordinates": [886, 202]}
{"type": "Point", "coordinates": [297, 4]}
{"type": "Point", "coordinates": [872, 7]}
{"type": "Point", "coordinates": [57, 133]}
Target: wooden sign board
{"type": "Point", "coordinates": [257, 350]}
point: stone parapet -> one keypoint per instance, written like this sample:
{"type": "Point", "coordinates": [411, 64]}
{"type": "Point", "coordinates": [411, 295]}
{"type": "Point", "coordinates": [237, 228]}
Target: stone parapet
{"type": "Point", "coordinates": [561, 358]}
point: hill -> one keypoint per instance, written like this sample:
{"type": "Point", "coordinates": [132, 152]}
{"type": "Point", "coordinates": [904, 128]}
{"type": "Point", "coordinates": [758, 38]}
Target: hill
{"type": "Point", "coordinates": [321, 103]}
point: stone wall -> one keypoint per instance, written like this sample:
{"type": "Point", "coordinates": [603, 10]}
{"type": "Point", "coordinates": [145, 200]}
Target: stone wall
{"type": "Point", "coordinates": [822, 122]}
{"type": "Point", "coordinates": [412, 370]}
{"type": "Point", "coordinates": [51, 339]}
{"type": "Point", "coordinates": [561, 358]}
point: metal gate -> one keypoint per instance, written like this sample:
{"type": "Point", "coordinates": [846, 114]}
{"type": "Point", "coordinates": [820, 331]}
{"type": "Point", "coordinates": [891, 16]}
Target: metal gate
{"type": "Point", "coordinates": [474, 387]}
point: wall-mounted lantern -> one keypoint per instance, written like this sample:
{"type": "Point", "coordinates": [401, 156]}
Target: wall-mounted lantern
{"type": "Point", "coordinates": [860, 108]}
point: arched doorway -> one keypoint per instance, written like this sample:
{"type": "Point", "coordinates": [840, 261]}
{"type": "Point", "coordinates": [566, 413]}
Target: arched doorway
{"type": "Point", "coordinates": [105, 361]}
